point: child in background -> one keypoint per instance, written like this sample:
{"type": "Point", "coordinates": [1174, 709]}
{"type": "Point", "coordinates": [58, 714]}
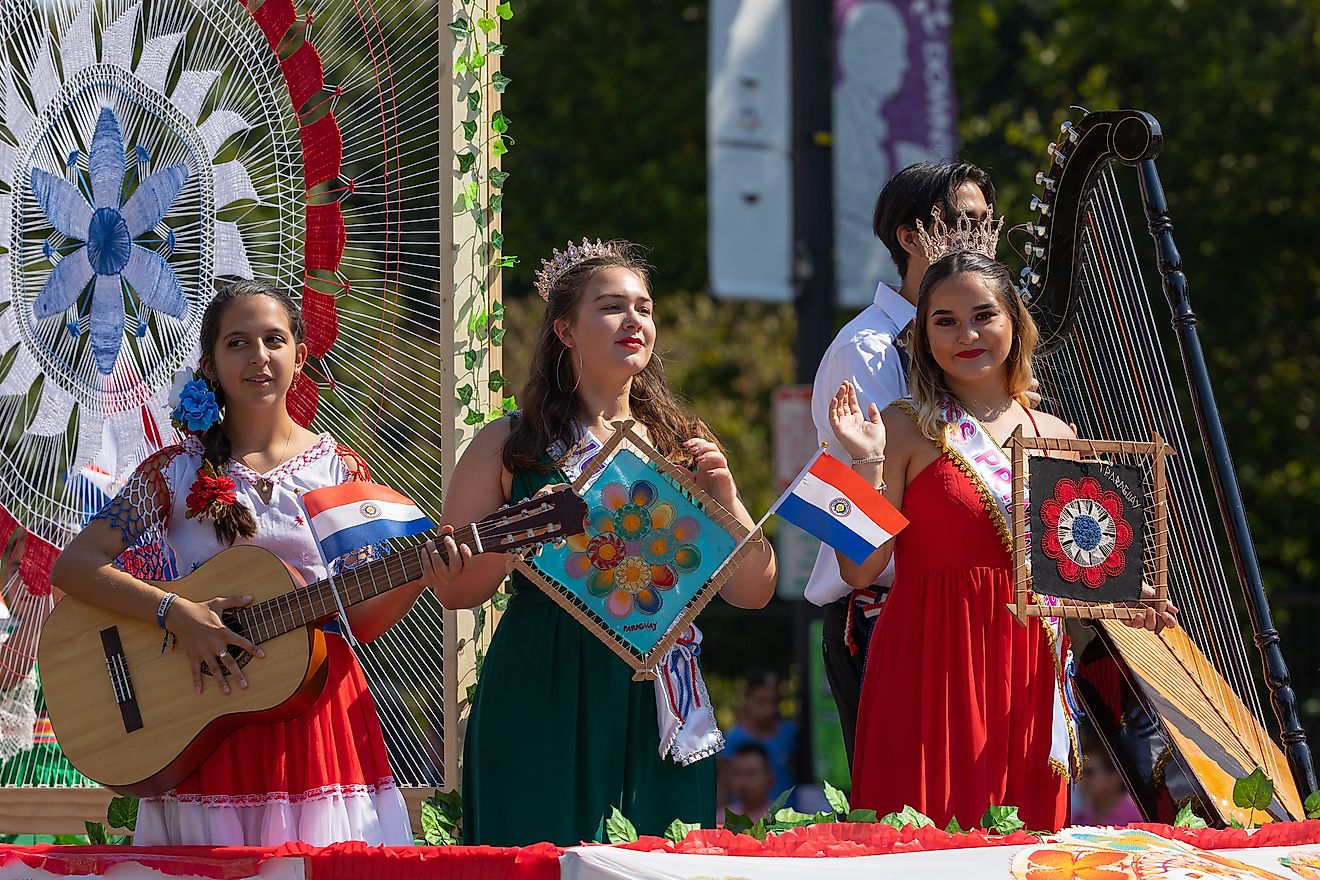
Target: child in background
{"type": "Point", "coordinates": [759, 722]}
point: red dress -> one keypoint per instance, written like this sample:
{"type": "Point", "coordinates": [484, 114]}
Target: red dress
{"type": "Point", "coordinates": [958, 697]}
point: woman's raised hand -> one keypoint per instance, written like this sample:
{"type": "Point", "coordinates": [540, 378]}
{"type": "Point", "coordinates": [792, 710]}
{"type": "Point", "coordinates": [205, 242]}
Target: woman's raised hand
{"type": "Point", "coordinates": [201, 632]}
{"type": "Point", "coordinates": [436, 572]}
{"type": "Point", "coordinates": [860, 437]}
{"type": "Point", "coordinates": [713, 474]}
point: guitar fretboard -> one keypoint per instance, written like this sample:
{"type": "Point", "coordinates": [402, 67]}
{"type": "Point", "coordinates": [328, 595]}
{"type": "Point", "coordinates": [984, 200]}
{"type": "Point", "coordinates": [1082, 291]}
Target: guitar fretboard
{"type": "Point", "coordinates": [295, 609]}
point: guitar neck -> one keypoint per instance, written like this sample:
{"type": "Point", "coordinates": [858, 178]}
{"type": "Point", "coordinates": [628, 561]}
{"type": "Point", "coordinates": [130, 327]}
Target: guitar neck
{"type": "Point", "coordinates": [302, 607]}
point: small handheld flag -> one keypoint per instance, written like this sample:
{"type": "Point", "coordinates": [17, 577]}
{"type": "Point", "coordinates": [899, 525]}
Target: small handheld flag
{"type": "Point", "coordinates": [832, 502]}
{"type": "Point", "coordinates": [353, 515]}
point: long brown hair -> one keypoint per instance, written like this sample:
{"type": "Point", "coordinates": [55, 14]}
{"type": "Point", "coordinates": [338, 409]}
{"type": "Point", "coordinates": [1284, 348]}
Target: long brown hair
{"type": "Point", "coordinates": [926, 378]}
{"type": "Point", "coordinates": [549, 401]}
{"type": "Point", "coordinates": [235, 520]}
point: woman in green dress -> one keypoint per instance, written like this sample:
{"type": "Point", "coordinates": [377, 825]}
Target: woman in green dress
{"type": "Point", "coordinates": [559, 732]}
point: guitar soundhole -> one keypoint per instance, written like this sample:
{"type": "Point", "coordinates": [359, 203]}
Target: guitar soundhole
{"type": "Point", "coordinates": [235, 623]}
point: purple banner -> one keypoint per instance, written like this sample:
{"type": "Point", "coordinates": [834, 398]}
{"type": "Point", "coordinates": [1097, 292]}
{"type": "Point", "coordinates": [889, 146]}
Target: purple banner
{"type": "Point", "coordinates": [894, 104]}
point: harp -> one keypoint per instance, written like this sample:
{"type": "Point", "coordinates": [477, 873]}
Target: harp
{"type": "Point", "coordinates": [1179, 712]}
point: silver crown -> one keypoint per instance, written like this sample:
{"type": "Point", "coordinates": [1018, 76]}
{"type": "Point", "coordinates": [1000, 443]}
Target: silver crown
{"type": "Point", "coordinates": [966, 234]}
{"type": "Point", "coordinates": [561, 261]}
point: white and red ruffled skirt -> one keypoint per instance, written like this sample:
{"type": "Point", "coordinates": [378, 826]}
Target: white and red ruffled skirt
{"type": "Point", "coordinates": [322, 778]}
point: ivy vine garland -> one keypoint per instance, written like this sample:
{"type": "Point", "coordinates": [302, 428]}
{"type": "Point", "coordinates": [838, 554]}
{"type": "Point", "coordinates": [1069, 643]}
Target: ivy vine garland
{"type": "Point", "coordinates": [485, 324]}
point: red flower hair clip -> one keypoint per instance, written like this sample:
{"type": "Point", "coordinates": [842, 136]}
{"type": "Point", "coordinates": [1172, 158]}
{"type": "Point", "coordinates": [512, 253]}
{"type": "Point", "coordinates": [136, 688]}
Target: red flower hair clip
{"type": "Point", "coordinates": [210, 492]}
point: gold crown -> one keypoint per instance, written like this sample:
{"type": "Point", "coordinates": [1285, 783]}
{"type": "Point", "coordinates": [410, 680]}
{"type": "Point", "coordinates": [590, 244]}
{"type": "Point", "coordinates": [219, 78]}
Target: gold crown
{"type": "Point", "coordinates": [560, 262]}
{"type": "Point", "coordinates": [966, 234]}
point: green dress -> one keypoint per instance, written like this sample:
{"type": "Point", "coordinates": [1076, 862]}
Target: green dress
{"type": "Point", "coordinates": [559, 732]}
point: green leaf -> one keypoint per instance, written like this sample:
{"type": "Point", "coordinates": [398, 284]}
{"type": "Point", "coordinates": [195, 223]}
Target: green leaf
{"type": "Point", "coordinates": [497, 240]}
{"type": "Point", "coordinates": [500, 82]}
{"type": "Point", "coordinates": [495, 381]}
{"type": "Point", "coordinates": [470, 129]}
{"type": "Point", "coordinates": [1312, 805]}
{"type": "Point", "coordinates": [122, 813]}
{"type": "Point", "coordinates": [479, 621]}
{"type": "Point", "coordinates": [486, 24]}
{"type": "Point", "coordinates": [789, 816]}
{"type": "Point", "coordinates": [471, 358]}
{"type": "Point", "coordinates": [837, 800]}
{"type": "Point", "coordinates": [1187, 818]}
{"type": "Point", "coordinates": [863, 815]}
{"type": "Point", "coordinates": [914, 817]}
{"type": "Point", "coordinates": [678, 829]}
{"type": "Point", "coordinates": [759, 830]}
{"type": "Point", "coordinates": [471, 692]}
{"type": "Point", "coordinates": [618, 829]}
{"type": "Point", "coordinates": [433, 831]}
{"type": "Point", "coordinates": [508, 404]}
{"type": "Point", "coordinates": [497, 311]}
{"type": "Point", "coordinates": [504, 11]}
{"type": "Point", "coordinates": [953, 827]}
{"type": "Point", "coordinates": [736, 822]}
{"type": "Point", "coordinates": [1234, 823]}
{"type": "Point", "coordinates": [499, 146]}
{"type": "Point", "coordinates": [495, 48]}
{"type": "Point", "coordinates": [474, 100]}
{"type": "Point", "coordinates": [470, 194]}
{"type": "Point", "coordinates": [497, 335]}
{"type": "Point", "coordinates": [1002, 820]}
{"type": "Point", "coordinates": [499, 122]}
{"type": "Point", "coordinates": [474, 417]}
{"type": "Point", "coordinates": [500, 600]}
{"type": "Point", "coordinates": [466, 160]}
{"type": "Point", "coordinates": [824, 818]}
{"type": "Point", "coordinates": [96, 834]}
{"type": "Point", "coordinates": [441, 814]}
{"type": "Point", "coordinates": [893, 820]}
{"type": "Point", "coordinates": [497, 178]}
{"type": "Point", "coordinates": [478, 60]}
{"type": "Point", "coordinates": [496, 204]}
{"type": "Point", "coordinates": [460, 66]}
{"type": "Point", "coordinates": [1253, 791]}
{"type": "Point", "coordinates": [460, 28]}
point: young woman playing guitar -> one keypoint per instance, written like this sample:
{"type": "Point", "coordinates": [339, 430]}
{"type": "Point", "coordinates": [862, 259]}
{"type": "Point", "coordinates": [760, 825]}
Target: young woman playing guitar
{"type": "Point", "coordinates": [323, 776]}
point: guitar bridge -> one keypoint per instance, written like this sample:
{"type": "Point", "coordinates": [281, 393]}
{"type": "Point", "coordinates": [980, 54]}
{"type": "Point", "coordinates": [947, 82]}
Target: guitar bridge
{"type": "Point", "coordinates": [120, 682]}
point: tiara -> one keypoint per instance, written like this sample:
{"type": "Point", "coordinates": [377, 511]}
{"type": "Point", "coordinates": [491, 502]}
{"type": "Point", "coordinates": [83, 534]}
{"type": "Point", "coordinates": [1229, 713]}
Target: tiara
{"type": "Point", "coordinates": [561, 261]}
{"type": "Point", "coordinates": [965, 234]}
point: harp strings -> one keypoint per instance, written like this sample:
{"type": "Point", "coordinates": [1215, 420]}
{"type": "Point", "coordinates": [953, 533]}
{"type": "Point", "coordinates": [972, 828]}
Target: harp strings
{"type": "Point", "coordinates": [1110, 379]}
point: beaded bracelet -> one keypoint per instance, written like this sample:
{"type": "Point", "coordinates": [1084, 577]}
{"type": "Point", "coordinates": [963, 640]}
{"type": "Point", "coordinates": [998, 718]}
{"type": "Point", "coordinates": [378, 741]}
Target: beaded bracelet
{"type": "Point", "coordinates": [870, 459]}
{"type": "Point", "coordinates": [164, 608]}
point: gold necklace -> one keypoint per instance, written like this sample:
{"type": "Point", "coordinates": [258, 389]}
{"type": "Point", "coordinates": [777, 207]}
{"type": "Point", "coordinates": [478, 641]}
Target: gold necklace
{"type": "Point", "coordinates": [264, 484]}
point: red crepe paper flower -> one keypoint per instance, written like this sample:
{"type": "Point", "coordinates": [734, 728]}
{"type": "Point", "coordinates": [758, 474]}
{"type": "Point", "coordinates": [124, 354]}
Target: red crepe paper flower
{"type": "Point", "coordinates": [1085, 532]}
{"type": "Point", "coordinates": [209, 492]}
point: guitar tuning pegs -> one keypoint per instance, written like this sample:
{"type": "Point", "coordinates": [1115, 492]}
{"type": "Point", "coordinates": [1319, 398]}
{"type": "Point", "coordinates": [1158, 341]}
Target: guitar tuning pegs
{"type": "Point", "coordinates": [1047, 182]}
{"type": "Point", "coordinates": [1041, 206]}
{"type": "Point", "coordinates": [1037, 231]}
{"type": "Point", "coordinates": [1036, 250]}
{"type": "Point", "coordinates": [1059, 155]}
{"type": "Point", "coordinates": [1067, 129]}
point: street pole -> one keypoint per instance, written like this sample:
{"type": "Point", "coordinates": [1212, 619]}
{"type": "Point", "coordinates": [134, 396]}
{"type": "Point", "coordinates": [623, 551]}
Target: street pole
{"type": "Point", "coordinates": [813, 264]}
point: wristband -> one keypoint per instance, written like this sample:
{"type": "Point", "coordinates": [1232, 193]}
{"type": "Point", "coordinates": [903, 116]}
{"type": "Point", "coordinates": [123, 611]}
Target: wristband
{"type": "Point", "coordinates": [164, 608]}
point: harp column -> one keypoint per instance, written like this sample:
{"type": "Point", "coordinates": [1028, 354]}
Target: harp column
{"type": "Point", "coordinates": [469, 283]}
{"type": "Point", "coordinates": [1224, 477]}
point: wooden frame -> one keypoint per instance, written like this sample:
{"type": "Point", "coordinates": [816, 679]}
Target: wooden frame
{"type": "Point", "coordinates": [644, 665]}
{"type": "Point", "coordinates": [1026, 604]}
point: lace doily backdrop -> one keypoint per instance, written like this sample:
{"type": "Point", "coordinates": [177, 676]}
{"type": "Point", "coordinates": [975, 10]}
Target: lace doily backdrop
{"type": "Point", "coordinates": [150, 147]}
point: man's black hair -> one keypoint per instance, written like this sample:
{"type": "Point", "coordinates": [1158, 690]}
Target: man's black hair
{"type": "Point", "coordinates": [912, 194]}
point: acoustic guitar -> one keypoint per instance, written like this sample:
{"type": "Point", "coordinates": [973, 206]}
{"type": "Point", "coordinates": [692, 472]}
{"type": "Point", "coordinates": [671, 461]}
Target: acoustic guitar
{"type": "Point", "coordinates": [124, 709]}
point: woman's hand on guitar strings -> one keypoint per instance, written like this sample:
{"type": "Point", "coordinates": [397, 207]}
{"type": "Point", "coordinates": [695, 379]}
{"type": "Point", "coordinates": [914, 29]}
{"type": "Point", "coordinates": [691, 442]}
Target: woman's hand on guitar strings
{"type": "Point", "coordinates": [201, 632]}
{"type": "Point", "coordinates": [436, 571]}
{"type": "Point", "coordinates": [1151, 618]}
{"type": "Point", "coordinates": [861, 437]}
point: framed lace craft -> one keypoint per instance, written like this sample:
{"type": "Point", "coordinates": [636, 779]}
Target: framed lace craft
{"type": "Point", "coordinates": [655, 551]}
{"type": "Point", "coordinates": [1096, 527]}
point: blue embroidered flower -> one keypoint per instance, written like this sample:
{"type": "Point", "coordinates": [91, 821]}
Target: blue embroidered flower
{"type": "Point", "coordinates": [197, 409]}
{"type": "Point", "coordinates": [109, 226]}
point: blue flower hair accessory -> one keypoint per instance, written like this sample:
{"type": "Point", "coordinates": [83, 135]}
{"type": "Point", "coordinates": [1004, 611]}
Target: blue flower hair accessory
{"type": "Point", "coordinates": [197, 409]}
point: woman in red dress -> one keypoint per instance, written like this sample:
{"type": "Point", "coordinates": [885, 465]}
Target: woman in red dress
{"type": "Point", "coordinates": [961, 705]}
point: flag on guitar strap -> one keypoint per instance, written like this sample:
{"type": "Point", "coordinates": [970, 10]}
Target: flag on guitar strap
{"type": "Point", "coordinates": [832, 502]}
{"type": "Point", "coordinates": [358, 514]}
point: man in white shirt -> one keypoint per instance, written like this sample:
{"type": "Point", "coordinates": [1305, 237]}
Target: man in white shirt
{"type": "Point", "coordinates": [867, 353]}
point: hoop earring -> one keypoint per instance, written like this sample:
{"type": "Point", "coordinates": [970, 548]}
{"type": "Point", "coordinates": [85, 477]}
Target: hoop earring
{"type": "Point", "coordinates": [559, 365]}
